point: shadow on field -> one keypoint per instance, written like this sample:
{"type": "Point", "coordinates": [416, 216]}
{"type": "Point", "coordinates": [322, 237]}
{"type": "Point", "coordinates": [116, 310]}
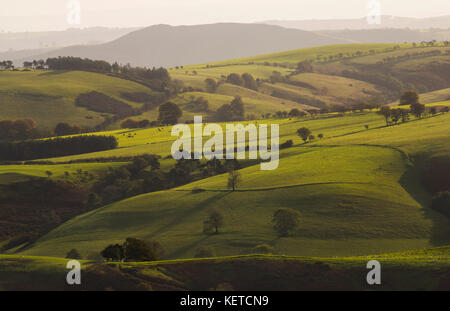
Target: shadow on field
{"type": "Point", "coordinates": [189, 212]}
{"type": "Point", "coordinates": [440, 231]}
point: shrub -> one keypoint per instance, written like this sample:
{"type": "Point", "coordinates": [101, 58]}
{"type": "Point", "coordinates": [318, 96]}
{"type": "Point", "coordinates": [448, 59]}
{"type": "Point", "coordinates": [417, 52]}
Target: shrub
{"type": "Point", "coordinates": [73, 254]}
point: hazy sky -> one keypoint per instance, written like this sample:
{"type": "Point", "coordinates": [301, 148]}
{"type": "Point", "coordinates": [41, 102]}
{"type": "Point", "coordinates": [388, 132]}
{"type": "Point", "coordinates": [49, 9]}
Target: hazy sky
{"type": "Point", "coordinates": [37, 15]}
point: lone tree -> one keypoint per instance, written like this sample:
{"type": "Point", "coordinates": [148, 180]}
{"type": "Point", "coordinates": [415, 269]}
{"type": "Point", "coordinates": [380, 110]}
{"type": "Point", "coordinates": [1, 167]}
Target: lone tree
{"type": "Point", "coordinates": [73, 254]}
{"type": "Point", "coordinates": [169, 113]}
{"type": "Point", "coordinates": [386, 112]}
{"type": "Point", "coordinates": [409, 98]}
{"type": "Point", "coordinates": [114, 252]}
{"type": "Point", "coordinates": [211, 85]}
{"type": "Point", "coordinates": [237, 107]}
{"type": "Point", "coordinates": [48, 173]}
{"type": "Point", "coordinates": [304, 133]}
{"type": "Point", "coordinates": [234, 179]}
{"type": "Point", "coordinates": [418, 109]}
{"type": "Point", "coordinates": [285, 221]}
{"type": "Point", "coordinates": [214, 222]}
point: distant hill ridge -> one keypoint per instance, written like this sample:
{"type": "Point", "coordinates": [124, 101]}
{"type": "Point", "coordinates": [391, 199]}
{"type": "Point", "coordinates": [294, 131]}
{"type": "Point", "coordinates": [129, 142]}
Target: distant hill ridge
{"type": "Point", "coordinates": [169, 46]}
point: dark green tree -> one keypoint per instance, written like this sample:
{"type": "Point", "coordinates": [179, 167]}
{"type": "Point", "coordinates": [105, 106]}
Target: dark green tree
{"type": "Point", "coordinates": [214, 221]}
{"type": "Point", "coordinates": [409, 98]}
{"type": "Point", "coordinates": [285, 221]}
{"type": "Point", "coordinates": [113, 252]}
{"type": "Point", "coordinates": [73, 254]}
{"type": "Point", "coordinates": [169, 113]}
{"type": "Point", "coordinates": [304, 133]}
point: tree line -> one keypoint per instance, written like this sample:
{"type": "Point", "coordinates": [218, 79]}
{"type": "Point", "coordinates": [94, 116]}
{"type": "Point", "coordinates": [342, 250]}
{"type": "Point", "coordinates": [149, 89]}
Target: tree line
{"type": "Point", "coordinates": [56, 147]}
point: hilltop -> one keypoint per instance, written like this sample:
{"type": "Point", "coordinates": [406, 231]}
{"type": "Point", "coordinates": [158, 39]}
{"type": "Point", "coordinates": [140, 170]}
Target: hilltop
{"type": "Point", "coordinates": [160, 45]}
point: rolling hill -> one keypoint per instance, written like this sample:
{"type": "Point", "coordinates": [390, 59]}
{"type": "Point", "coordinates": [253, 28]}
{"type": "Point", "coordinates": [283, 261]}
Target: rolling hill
{"type": "Point", "coordinates": [160, 45]}
{"type": "Point", "coordinates": [49, 97]}
{"type": "Point", "coordinates": [357, 191]}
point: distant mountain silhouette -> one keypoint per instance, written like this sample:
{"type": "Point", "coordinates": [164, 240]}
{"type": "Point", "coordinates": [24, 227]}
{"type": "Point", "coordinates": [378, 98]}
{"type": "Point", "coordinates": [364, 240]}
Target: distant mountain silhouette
{"type": "Point", "coordinates": [442, 22]}
{"type": "Point", "coordinates": [58, 39]}
{"type": "Point", "coordinates": [168, 46]}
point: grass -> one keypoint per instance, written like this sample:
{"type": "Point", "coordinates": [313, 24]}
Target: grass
{"type": "Point", "coordinates": [292, 57]}
{"type": "Point", "coordinates": [410, 270]}
{"type": "Point", "coordinates": [356, 189]}
{"type": "Point", "coordinates": [49, 96]}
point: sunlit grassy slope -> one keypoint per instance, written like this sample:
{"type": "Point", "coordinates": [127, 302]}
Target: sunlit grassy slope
{"type": "Point", "coordinates": [356, 189]}
{"type": "Point", "coordinates": [49, 96]}
{"type": "Point", "coordinates": [292, 57]}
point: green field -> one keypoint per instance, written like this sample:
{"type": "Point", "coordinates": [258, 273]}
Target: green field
{"type": "Point", "coordinates": [356, 189]}
{"type": "Point", "coordinates": [48, 97]}
{"type": "Point", "coordinates": [359, 188]}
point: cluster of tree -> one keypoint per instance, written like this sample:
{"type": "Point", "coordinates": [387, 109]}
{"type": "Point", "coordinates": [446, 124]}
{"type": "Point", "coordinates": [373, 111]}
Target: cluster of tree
{"type": "Point", "coordinates": [393, 116]}
{"type": "Point", "coordinates": [231, 112]}
{"type": "Point", "coordinates": [11, 130]}
{"type": "Point", "coordinates": [77, 63]}
{"type": "Point", "coordinates": [277, 77]}
{"type": "Point", "coordinates": [305, 134]}
{"type": "Point", "coordinates": [211, 85]}
{"type": "Point", "coordinates": [134, 250]}
{"type": "Point", "coordinates": [303, 67]}
{"type": "Point", "coordinates": [44, 204]}
{"type": "Point", "coordinates": [408, 55]}
{"type": "Point", "coordinates": [140, 176]}
{"type": "Point", "coordinates": [155, 78]}
{"type": "Point", "coordinates": [6, 64]}
{"type": "Point", "coordinates": [169, 113]}
{"type": "Point", "coordinates": [35, 64]}
{"type": "Point", "coordinates": [63, 129]}
{"type": "Point", "coordinates": [56, 147]}
{"type": "Point", "coordinates": [143, 176]}
{"type": "Point", "coordinates": [197, 104]}
{"type": "Point", "coordinates": [245, 80]}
